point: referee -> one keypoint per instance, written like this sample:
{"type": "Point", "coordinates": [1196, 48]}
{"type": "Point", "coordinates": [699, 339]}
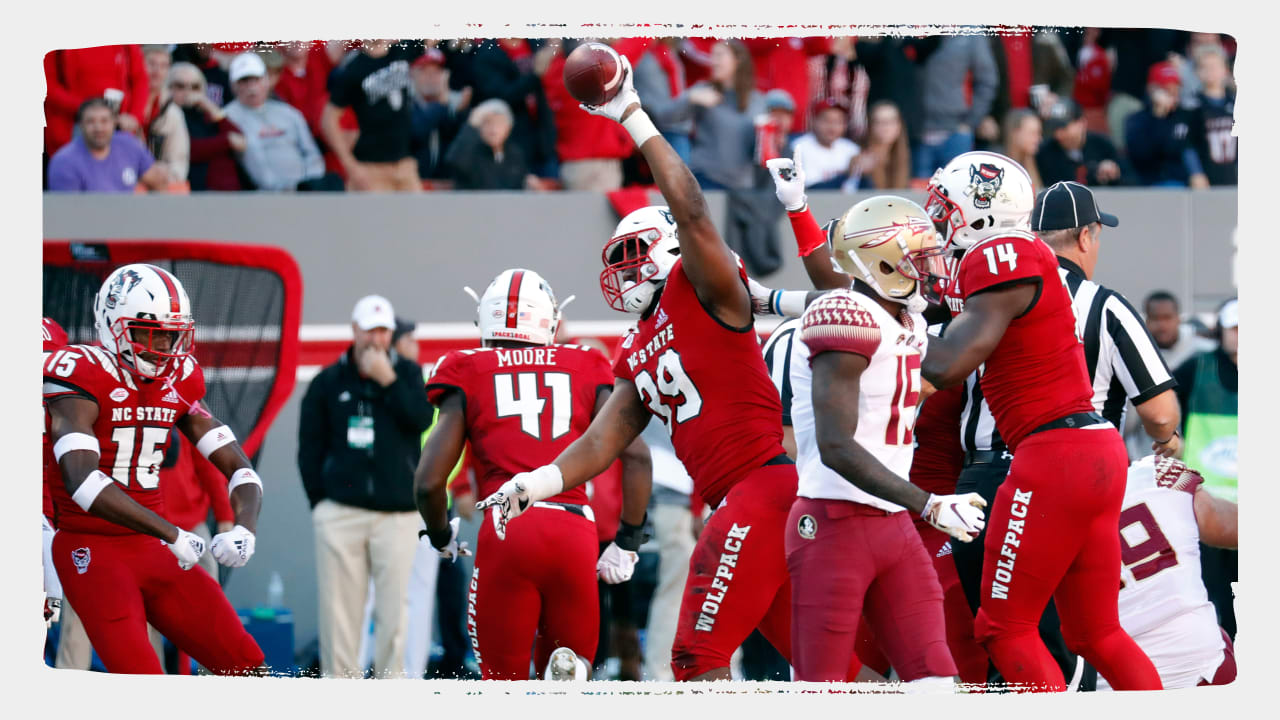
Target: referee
{"type": "Point", "coordinates": [1122, 358]}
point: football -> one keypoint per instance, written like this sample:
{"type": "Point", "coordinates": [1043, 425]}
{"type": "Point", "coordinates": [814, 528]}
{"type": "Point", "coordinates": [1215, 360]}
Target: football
{"type": "Point", "coordinates": [593, 73]}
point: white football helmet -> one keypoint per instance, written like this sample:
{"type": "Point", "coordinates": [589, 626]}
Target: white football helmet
{"type": "Point", "coordinates": [519, 305]}
{"type": "Point", "coordinates": [979, 194]}
{"type": "Point", "coordinates": [144, 316]}
{"type": "Point", "coordinates": [638, 258]}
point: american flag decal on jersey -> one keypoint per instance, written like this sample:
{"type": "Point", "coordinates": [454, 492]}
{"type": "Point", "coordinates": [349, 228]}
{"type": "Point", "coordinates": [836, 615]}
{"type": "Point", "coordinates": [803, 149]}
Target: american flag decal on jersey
{"type": "Point", "coordinates": [837, 322]}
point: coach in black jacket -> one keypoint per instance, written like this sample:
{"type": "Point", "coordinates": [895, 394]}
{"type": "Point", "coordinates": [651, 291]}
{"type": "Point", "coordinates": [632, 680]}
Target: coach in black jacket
{"type": "Point", "coordinates": [358, 443]}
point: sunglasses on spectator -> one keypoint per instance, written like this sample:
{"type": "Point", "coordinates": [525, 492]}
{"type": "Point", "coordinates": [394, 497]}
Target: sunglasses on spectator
{"type": "Point", "coordinates": [182, 86]}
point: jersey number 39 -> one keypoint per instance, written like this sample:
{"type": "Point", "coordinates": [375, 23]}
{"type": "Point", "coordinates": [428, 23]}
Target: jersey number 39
{"type": "Point", "coordinates": [672, 396]}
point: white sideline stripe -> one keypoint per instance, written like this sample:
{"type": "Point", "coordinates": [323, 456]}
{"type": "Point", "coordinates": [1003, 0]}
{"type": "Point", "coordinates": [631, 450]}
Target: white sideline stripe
{"type": "Point", "coordinates": [223, 333]}
{"type": "Point", "coordinates": [464, 330]}
{"type": "Point", "coordinates": [305, 373]}
{"type": "Point", "coordinates": [259, 373]}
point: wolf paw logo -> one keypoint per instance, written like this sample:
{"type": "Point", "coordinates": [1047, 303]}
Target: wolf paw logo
{"type": "Point", "coordinates": [120, 287]}
{"type": "Point", "coordinates": [985, 180]}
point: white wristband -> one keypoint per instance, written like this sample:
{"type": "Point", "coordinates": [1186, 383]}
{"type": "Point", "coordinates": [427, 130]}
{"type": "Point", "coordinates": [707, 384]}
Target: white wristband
{"type": "Point", "coordinates": [214, 439]}
{"type": "Point", "coordinates": [243, 476]}
{"type": "Point", "coordinates": [75, 441]}
{"type": "Point", "coordinates": [545, 482]}
{"type": "Point", "coordinates": [640, 127]}
{"type": "Point", "coordinates": [788, 303]}
{"type": "Point", "coordinates": [94, 483]}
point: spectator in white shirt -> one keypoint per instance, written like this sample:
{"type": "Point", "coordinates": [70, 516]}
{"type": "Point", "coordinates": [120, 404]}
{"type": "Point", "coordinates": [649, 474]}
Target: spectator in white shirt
{"type": "Point", "coordinates": [826, 155]}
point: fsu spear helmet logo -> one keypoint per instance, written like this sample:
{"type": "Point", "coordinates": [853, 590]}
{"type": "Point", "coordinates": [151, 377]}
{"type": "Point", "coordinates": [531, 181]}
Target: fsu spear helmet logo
{"type": "Point", "coordinates": [120, 287]}
{"type": "Point", "coordinates": [985, 180]}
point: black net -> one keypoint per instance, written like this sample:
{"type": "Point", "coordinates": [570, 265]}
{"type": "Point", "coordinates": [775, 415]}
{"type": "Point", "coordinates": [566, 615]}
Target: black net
{"type": "Point", "coordinates": [239, 312]}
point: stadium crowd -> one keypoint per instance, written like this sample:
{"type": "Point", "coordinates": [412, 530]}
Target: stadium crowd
{"type": "Point", "coordinates": [1103, 107]}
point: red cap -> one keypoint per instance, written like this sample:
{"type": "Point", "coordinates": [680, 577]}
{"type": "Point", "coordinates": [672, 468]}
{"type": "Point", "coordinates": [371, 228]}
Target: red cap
{"type": "Point", "coordinates": [431, 56]}
{"type": "Point", "coordinates": [830, 102]}
{"type": "Point", "coordinates": [1163, 73]}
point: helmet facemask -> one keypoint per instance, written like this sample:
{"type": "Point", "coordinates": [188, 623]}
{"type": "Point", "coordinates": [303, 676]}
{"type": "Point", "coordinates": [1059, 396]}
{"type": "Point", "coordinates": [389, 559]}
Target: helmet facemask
{"type": "Point", "coordinates": [636, 266]}
{"type": "Point", "coordinates": [890, 244]}
{"type": "Point", "coordinates": [153, 347]}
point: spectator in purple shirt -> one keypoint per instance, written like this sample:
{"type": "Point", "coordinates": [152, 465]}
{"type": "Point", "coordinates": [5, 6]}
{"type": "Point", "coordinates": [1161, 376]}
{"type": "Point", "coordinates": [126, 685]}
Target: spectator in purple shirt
{"type": "Point", "coordinates": [102, 159]}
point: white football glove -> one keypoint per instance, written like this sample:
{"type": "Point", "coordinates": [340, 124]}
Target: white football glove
{"type": "Point", "coordinates": [959, 516]}
{"type": "Point", "coordinates": [452, 549]}
{"type": "Point", "coordinates": [234, 547]}
{"type": "Point", "coordinates": [519, 493]}
{"type": "Point", "coordinates": [788, 182]}
{"type": "Point", "coordinates": [760, 297]}
{"type": "Point", "coordinates": [616, 565]}
{"type": "Point", "coordinates": [614, 108]}
{"type": "Point", "coordinates": [187, 548]}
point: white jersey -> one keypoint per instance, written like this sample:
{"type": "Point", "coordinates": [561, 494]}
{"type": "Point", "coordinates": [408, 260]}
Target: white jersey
{"type": "Point", "coordinates": [889, 391]}
{"type": "Point", "coordinates": [1163, 603]}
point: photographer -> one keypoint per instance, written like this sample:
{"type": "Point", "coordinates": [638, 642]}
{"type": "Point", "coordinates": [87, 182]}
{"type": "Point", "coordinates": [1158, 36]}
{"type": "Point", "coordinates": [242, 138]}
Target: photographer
{"type": "Point", "coordinates": [358, 443]}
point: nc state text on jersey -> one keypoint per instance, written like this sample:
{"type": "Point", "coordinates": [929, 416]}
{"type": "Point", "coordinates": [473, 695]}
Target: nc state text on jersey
{"type": "Point", "coordinates": [660, 340]}
{"type": "Point", "coordinates": [144, 414]}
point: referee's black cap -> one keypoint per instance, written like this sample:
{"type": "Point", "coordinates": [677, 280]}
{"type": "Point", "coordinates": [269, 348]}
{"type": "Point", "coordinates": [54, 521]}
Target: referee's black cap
{"type": "Point", "coordinates": [1065, 205]}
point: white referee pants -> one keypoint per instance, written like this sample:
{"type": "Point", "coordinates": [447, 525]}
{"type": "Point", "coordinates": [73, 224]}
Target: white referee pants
{"type": "Point", "coordinates": [673, 529]}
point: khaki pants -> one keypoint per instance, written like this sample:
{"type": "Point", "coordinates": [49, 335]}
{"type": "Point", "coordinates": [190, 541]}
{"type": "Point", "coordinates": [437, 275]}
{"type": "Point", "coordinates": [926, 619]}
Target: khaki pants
{"type": "Point", "coordinates": [598, 175]}
{"type": "Point", "coordinates": [673, 528]}
{"type": "Point", "coordinates": [75, 652]}
{"type": "Point", "coordinates": [400, 176]}
{"type": "Point", "coordinates": [353, 545]}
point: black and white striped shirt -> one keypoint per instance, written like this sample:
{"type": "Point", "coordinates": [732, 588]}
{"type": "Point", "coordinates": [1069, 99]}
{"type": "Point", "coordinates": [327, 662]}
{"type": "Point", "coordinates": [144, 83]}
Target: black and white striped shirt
{"type": "Point", "coordinates": [777, 356]}
{"type": "Point", "coordinates": [1120, 356]}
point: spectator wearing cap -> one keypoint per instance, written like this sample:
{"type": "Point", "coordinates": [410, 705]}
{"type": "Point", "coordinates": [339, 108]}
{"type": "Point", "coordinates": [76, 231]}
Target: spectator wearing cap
{"type": "Point", "coordinates": [590, 148]}
{"type": "Point", "coordinates": [660, 79]}
{"type": "Point", "coordinates": [1122, 359]}
{"type": "Point", "coordinates": [773, 128]}
{"type": "Point", "coordinates": [437, 113]}
{"type": "Point", "coordinates": [1157, 136]}
{"type": "Point", "coordinates": [1208, 388]}
{"type": "Point", "coordinates": [280, 153]}
{"type": "Point", "coordinates": [358, 443]}
{"type": "Point", "coordinates": [784, 62]}
{"type": "Point", "coordinates": [826, 155]}
{"type": "Point", "coordinates": [1071, 151]}
{"type": "Point", "coordinates": [484, 157]}
{"type": "Point", "coordinates": [1212, 111]}
{"type": "Point", "coordinates": [949, 116]}
{"type": "Point", "coordinates": [102, 158]}
{"type": "Point", "coordinates": [376, 84]}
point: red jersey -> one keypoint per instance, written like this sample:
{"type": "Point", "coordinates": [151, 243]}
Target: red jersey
{"type": "Point", "coordinates": [54, 338]}
{"type": "Point", "coordinates": [134, 420]}
{"type": "Point", "coordinates": [523, 406]}
{"type": "Point", "coordinates": [709, 385]}
{"type": "Point", "coordinates": [1037, 372]}
{"type": "Point", "coordinates": [939, 456]}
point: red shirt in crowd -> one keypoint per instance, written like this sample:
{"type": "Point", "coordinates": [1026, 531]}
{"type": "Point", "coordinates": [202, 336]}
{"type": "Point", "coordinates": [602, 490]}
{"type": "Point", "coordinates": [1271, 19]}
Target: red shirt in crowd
{"type": "Point", "coordinates": [784, 63]}
{"type": "Point", "coordinates": [1017, 52]}
{"type": "Point", "coordinates": [579, 134]}
{"type": "Point", "coordinates": [73, 76]}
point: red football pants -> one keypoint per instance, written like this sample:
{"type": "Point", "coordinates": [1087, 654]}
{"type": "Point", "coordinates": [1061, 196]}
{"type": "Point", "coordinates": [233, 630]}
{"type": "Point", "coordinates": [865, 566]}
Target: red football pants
{"type": "Point", "coordinates": [119, 583]}
{"type": "Point", "coordinates": [738, 577]}
{"type": "Point", "coordinates": [859, 561]}
{"type": "Point", "coordinates": [538, 584]}
{"type": "Point", "coordinates": [970, 659]}
{"type": "Point", "coordinates": [1052, 532]}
